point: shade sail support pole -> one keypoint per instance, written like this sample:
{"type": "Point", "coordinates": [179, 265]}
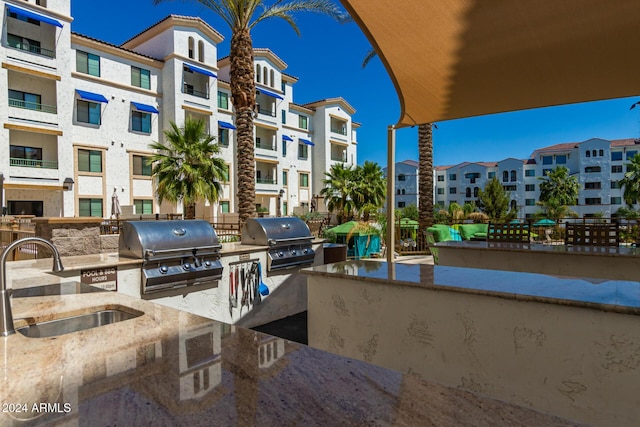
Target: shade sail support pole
{"type": "Point", "coordinates": [391, 199]}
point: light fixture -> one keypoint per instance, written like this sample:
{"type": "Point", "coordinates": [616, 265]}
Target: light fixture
{"type": "Point", "coordinates": [68, 184]}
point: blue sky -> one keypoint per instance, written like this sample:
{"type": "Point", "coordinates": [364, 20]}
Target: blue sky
{"type": "Point", "coordinates": [327, 59]}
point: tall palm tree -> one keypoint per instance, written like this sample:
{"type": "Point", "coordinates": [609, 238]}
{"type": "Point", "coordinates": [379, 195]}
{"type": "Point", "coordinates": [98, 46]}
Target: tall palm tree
{"type": "Point", "coordinates": [242, 16]}
{"type": "Point", "coordinates": [186, 168]}
{"type": "Point", "coordinates": [425, 165]}
{"type": "Point", "coordinates": [369, 189]}
{"type": "Point", "coordinates": [631, 181]}
{"type": "Point", "coordinates": [338, 188]}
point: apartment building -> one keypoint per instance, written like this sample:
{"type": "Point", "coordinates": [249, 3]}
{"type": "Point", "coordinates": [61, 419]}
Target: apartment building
{"type": "Point", "coordinates": [80, 114]}
{"type": "Point", "coordinates": [406, 185]}
{"type": "Point", "coordinates": [598, 164]}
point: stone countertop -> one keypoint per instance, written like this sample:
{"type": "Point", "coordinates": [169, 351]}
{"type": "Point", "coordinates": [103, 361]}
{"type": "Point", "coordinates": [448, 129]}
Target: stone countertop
{"type": "Point", "coordinates": [168, 367]}
{"type": "Point", "coordinates": [612, 295]}
{"type": "Point", "coordinates": [623, 251]}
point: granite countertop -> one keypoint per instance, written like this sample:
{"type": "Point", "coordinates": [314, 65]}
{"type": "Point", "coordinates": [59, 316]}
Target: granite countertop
{"type": "Point", "coordinates": [168, 367]}
{"type": "Point", "coordinates": [613, 295]}
{"type": "Point", "coordinates": [625, 251]}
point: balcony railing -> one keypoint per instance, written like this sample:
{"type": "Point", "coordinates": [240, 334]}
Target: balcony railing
{"type": "Point", "coordinates": [29, 163]}
{"type": "Point", "coordinates": [28, 105]}
{"type": "Point", "coordinates": [265, 111]}
{"type": "Point", "coordinates": [338, 158]}
{"type": "Point", "coordinates": [341, 131]}
{"type": "Point", "coordinates": [34, 49]}
{"type": "Point", "coordinates": [191, 91]}
{"type": "Point", "coordinates": [266, 181]}
{"type": "Point", "coordinates": [265, 146]}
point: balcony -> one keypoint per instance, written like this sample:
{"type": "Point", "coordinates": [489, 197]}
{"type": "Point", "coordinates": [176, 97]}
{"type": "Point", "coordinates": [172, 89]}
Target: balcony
{"type": "Point", "coordinates": [338, 158]}
{"type": "Point", "coordinates": [341, 131]}
{"type": "Point", "coordinates": [33, 48]}
{"type": "Point", "coordinates": [33, 163]}
{"type": "Point", "coordinates": [190, 90]}
{"type": "Point", "coordinates": [265, 146]}
{"type": "Point", "coordinates": [266, 181]}
{"type": "Point", "coordinates": [35, 106]}
{"type": "Point", "coordinates": [265, 111]}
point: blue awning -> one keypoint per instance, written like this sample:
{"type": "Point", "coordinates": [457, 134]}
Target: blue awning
{"type": "Point", "coordinates": [226, 125]}
{"type": "Point", "coordinates": [306, 141]}
{"type": "Point", "coordinates": [28, 14]}
{"type": "Point", "coordinates": [199, 70]}
{"type": "Point", "coordinates": [90, 96]}
{"type": "Point", "coordinates": [287, 138]}
{"type": "Point", "coordinates": [144, 107]}
{"type": "Point", "coordinates": [266, 92]}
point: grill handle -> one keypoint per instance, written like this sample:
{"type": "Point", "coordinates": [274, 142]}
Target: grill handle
{"type": "Point", "coordinates": [273, 242]}
{"type": "Point", "coordinates": [153, 252]}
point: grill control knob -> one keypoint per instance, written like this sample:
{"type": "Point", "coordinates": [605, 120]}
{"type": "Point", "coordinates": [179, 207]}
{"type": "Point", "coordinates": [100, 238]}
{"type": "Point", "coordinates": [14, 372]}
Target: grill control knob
{"type": "Point", "coordinates": [280, 254]}
{"type": "Point", "coordinates": [293, 251]}
{"type": "Point", "coordinates": [164, 269]}
{"type": "Point", "coordinates": [207, 264]}
{"type": "Point", "coordinates": [304, 251]}
{"type": "Point", "coordinates": [186, 266]}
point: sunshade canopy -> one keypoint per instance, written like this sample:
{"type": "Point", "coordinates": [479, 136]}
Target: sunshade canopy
{"type": "Point", "coordinates": [460, 58]}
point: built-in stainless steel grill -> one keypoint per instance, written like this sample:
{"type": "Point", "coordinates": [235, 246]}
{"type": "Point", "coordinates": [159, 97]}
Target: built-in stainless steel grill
{"type": "Point", "coordinates": [289, 240]}
{"type": "Point", "coordinates": [174, 253]}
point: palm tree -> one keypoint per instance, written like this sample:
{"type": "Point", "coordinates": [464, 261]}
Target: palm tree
{"type": "Point", "coordinates": [185, 167]}
{"type": "Point", "coordinates": [242, 16]}
{"type": "Point", "coordinates": [425, 165]}
{"type": "Point", "coordinates": [558, 185]}
{"type": "Point", "coordinates": [338, 189]}
{"type": "Point", "coordinates": [631, 181]}
{"type": "Point", "coordinates": [369, 189]}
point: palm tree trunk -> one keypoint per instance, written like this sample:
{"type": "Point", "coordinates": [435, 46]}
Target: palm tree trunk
{"type": "Point", "coordinates": [190, 211]}
{"type": "Point", "coordinates": [425, 175]}
{"type": "Point", "coordinates": [243, 95]}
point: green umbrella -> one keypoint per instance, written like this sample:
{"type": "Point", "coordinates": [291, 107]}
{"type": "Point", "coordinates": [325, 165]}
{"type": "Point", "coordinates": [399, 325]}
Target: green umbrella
{"type": "Point", "coordinates": [346, 229]}
{"type": "Point", "coordinates": [544, 223]}
{"type": "Point", "coordinates": [408, 223]}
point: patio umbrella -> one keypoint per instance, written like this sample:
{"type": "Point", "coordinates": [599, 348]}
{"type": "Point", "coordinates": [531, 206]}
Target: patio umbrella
{"type": "Point", "coordinates": [544, 223]}
{"type": "Point", "coordinates": [115, 205]}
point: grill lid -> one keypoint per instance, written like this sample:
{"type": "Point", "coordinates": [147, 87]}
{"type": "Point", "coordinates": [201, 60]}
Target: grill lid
{"type": "Point", "coordinates": [275, 231]}
{"type": "Point", "coordinates": [160, 239]}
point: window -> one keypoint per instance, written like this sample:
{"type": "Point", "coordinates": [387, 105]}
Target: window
{"type": "Point", "coordinates": [190, 47]}
{"type": "Point", "coordinates": [509, 187]}
{"type": "Point", "coordinates": [530, 187]}
{"type": "Point", "coordinates": [223, 137]}
{"type": "Point", "coordinates": [223, 100]}
{"type": "Point", "coordinates": [140, 166]}
{"type": "Point", "coordinates": [143, 206]}
{"type": "Point", "coordinates": [90, 207]}
{"type": "Point", "coordinates": [140, 121]}
{"type": "Point", "coordinates": [616, 184]}
{"type": "Point", "coordinates": [401, 177]}
{"type": "Point", "coordinates": [140, 78]}
{"type": "Point", "coordinates": [398, 191]}
{"type": "Point", "coordinates": [285, 178]}
{"type": "Point", "coordinates": [546, 172]}
{"type": "Point", "coordinates": [601, 153]}
{"type": "Point", "coordinates": [26, 100]}
{"type": "Point", "coordinates": [592, 169]}
{"type": "Point", "coordinates": [258, 73]}
{"type": "Point", "coordinates": [561, 159]}
{"type": "Point", "coordinates": [25, 156]}
{"type": "Point", "coordinates": [224, 206]}
{"type": "Point", "coordinates": [631, 154]}
{"type": "Point", "coordinates": [402, 204]}
{"type": "Point", "coordinates": [587, 153]}
{"type": "Point", "coordinates": [530, 172]}
{"type": "Point", "coordinates": [593, 153]}
{"type": "Point", "coordinates": [28, 45]}
{"type": "Point", "coordinates": [547, 160]}
{"type": "Point", "coordinates": [592, 185]}
{"type": "Point", "coordinates": [513, 176]}
{"type": "Point", "coordinates": [440, 178]}
{"type": "Point", "coordinates": [616, 200]}
{"type": "Point", "coordinates": [440, 190]}
{"type": "Point", "coordinates": [616, 155]}
{"type": "Point", "coordinates": [491, 175]}
{"type": "Point", "coordinates": [283, 87]}
{"type": "Point", "coordinates": [530, 202]}
{"type": "Point", "coordinates": [403, 191]}
{"type": "Point", "coordinates": [88, 112]}
{"type": "Point", "coordinates": [476, 191]}
{"type": "Point", "coordinates": [505, 176]}
{"type": "Point", "coordinates": [303, 151]}
{"type": "Point", "coordinates": [616, 168]}
{"type": "Point", "coordinates": [467, 192]}
{"type": "Point", "coordinates": [304, 180]}
{"type": "Point", "coordinates": [284, 116]}
{"type": "Point", "coordinates": [452, 177]}
{"type": "Point", "coordinates": [302, 122]}
{"type": "Point", "coordinates": [87, 63]}
{"type": "Point", "coordinates": [272, 78]}
{"type": "Point", "coordinates": [453, 190]}
{"type": "Point", "coordinates": [284, 147]}
{"type": "Point", "coordinates": [90, 161]}
{"type": "Point", "coordinates": [201, 51]}
{"type": "Point", "coordinates": [593, 201]}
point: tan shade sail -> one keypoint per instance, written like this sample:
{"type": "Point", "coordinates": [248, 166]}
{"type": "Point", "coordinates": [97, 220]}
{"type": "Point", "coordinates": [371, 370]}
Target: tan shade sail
{"type": "Point", "coordinates": [454, 58]}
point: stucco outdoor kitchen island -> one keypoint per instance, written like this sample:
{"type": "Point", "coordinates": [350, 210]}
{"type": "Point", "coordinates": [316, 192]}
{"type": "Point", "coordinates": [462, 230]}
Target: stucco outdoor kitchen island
{"type": "Point", "coordinates": [565, 346]}
{"type": "Point", "coordinates": [168, 367]}
{"type": "Point", "coordinates": [605, 262]}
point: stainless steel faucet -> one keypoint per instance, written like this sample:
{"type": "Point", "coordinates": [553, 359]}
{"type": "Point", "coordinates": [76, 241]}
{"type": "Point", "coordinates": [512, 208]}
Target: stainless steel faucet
{"type": "Point", "coordinates": [6, 318]}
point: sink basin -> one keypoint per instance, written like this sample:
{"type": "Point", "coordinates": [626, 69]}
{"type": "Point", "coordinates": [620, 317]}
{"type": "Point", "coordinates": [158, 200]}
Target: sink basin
{"type": "Point", "coordinates": [67, 325]}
